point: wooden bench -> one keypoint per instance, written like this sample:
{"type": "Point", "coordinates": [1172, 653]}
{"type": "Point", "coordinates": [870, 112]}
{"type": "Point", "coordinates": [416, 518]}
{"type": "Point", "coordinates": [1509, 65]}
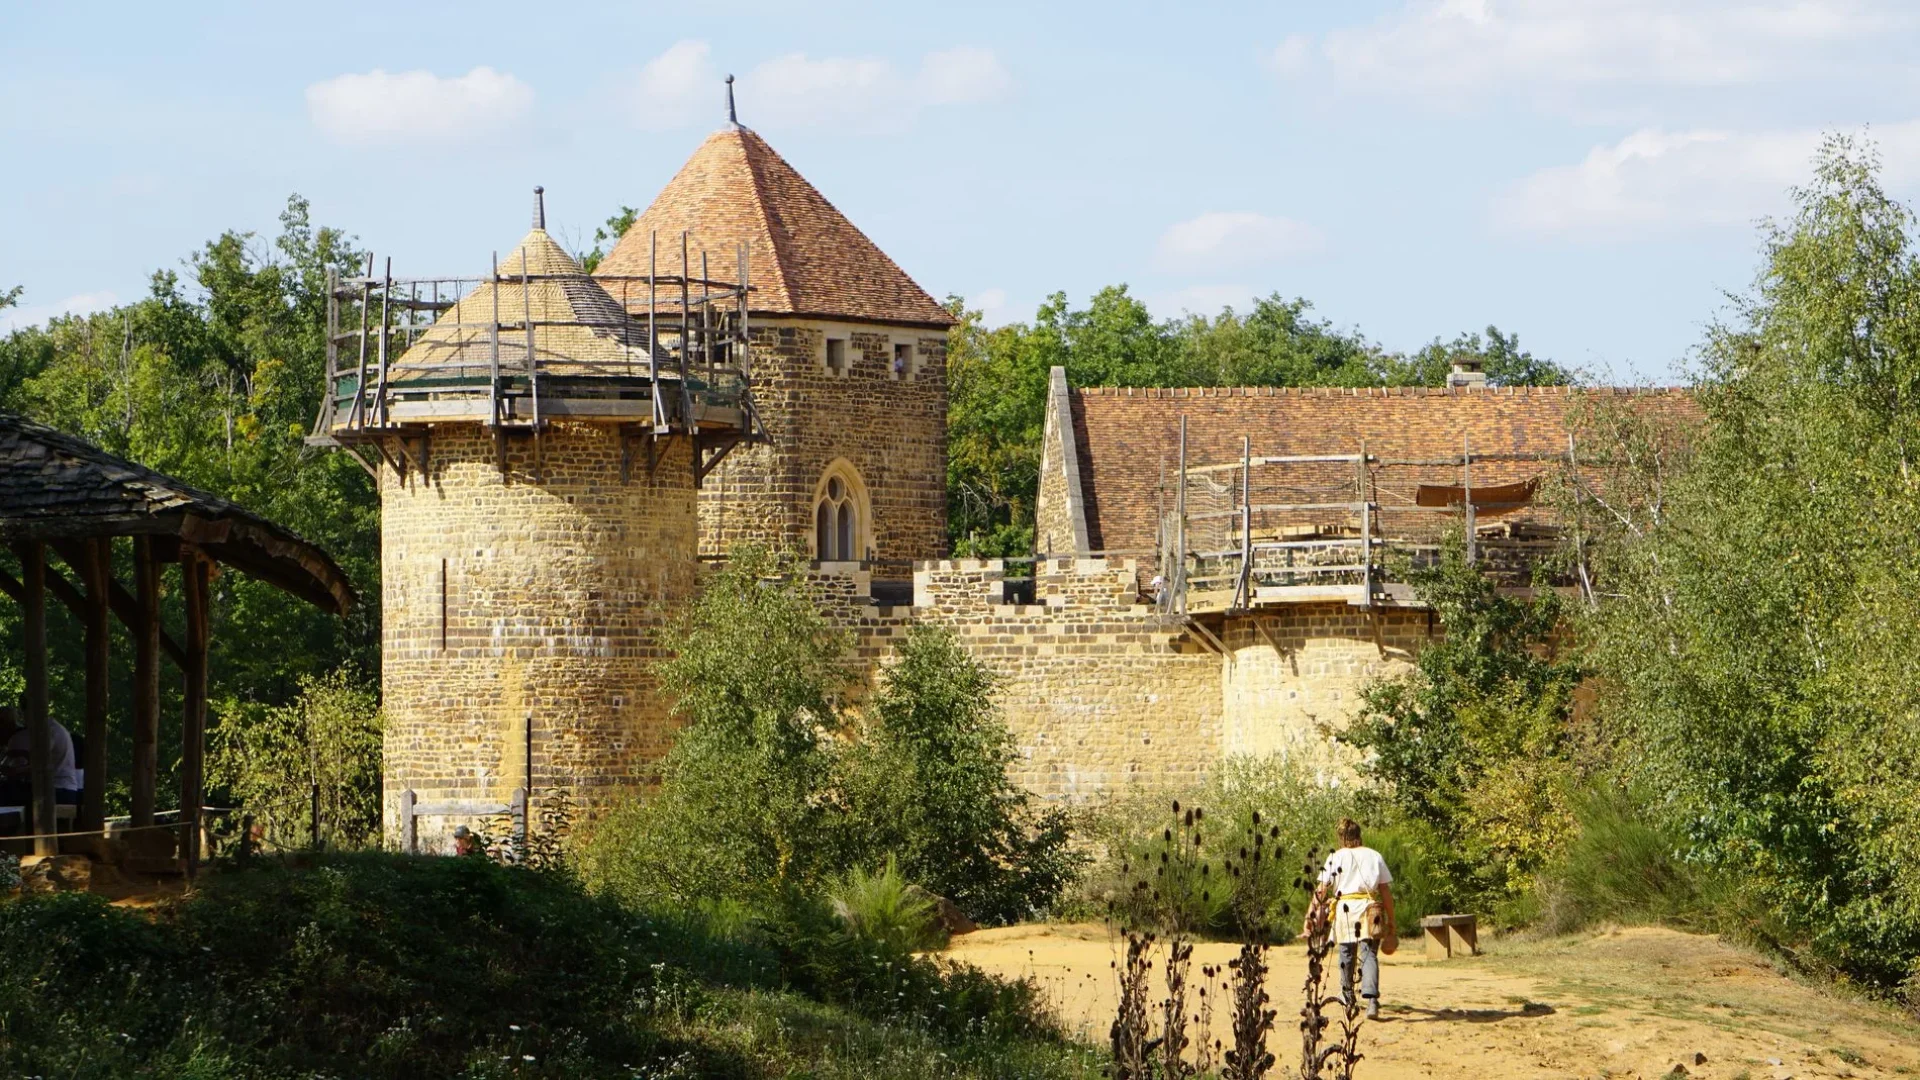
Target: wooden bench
{"type": "Point", "coordinates": [1450, 935]}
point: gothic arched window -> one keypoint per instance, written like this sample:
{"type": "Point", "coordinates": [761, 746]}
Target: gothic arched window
{"type": "Point", "coordinates": [840, 515]}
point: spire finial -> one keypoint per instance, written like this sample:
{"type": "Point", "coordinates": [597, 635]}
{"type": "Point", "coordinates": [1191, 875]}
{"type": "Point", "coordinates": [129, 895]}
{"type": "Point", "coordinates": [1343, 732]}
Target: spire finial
{"type": "Point", "coordinates": [539, 207]}
{"type": "Point", "coordinates": [732, 118]}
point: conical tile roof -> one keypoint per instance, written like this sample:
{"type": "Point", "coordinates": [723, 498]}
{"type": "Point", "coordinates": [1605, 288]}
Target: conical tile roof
{"type": "Point", "coordinates": [806, 258]}
{"type": "Point", "coordinates": [578, 327]}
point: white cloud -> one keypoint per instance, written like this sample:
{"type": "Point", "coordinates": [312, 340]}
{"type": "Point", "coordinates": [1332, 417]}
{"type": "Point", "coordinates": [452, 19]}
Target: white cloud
{"type": "Point", "coordinates": [682, 87]}
{"type": "Point", "coordinates": [962, 76]}
{"type": "Point", "coordinates": [676, 88]}
{"type": "Point", "coordinates": [379, 107]}
{"type": "Point", "coordinates": [36, 314]}
{"type": "Point", "coordinates": [1450, 49]}
{"type": "Point", "coordinates": [992, 304]}
{"type": "Point", "coordinates": [1661, 180]}
{"type": "Point", "coordinates": [1235, 239]}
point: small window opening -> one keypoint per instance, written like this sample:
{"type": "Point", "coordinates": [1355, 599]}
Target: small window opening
{"type": "Point", "coordinates": [836, 356]}
{"type": "Point", "coordinates": [903, 361]}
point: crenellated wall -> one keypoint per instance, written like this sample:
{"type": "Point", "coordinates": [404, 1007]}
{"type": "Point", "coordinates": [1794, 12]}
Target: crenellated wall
{"type": "Point", "coordinates": [1101, 692]}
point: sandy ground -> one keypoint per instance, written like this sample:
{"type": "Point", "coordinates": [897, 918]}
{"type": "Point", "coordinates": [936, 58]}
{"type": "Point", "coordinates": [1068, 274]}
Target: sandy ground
{"type": "Point", "coordinates": [1619, 1003]}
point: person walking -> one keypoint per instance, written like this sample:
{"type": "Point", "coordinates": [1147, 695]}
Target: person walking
{"type": "Point", "coordinates": [1355, 890]}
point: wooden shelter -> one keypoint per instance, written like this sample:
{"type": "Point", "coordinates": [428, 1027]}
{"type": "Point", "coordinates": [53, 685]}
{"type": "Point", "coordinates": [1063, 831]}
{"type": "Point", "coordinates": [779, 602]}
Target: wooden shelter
{"type": "Point", "coordinates": [63, 495]}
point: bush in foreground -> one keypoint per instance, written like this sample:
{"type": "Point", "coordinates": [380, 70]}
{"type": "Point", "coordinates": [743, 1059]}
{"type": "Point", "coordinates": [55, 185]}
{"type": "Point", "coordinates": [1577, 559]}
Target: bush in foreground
{"type": "Point", "coordinates": [375, 965]}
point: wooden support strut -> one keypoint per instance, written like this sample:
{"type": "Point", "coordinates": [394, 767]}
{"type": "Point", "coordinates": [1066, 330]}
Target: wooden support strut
{"type": "Point", "coordinates": [194, 569]}
{"type": "Point", "coordinates": [146, 679]}
{"type": "Point", "coordinates": [97, 572]}
{"type": "Point", "coordinates": [33, 574]}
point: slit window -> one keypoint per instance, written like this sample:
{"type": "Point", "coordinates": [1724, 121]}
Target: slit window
{"type": "Point", "coordinates": [836, 356]}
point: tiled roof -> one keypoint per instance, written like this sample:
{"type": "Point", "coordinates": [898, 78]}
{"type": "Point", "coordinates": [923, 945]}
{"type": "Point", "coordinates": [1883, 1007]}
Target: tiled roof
{"type": "Point", "coordinates": [805, 257]}
{"type": "Point", "coordinates": [576, 321]}
{"type": "Point", "coordinates": [54, 487]}
{"type": "Point", "coordinates": [1129, 439]}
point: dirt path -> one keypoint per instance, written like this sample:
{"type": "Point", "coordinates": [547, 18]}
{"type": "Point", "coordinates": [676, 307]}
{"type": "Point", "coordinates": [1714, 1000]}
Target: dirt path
{"type": "Point", "coordinates": [1623, 1003]}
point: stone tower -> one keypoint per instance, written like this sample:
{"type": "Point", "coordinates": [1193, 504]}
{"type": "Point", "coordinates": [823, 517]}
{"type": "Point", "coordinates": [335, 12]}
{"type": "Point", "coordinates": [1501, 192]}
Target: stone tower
{"type": "Point", "coordinates": [538, 458]}
{"type": "Point", "coordinates": [849, 365]}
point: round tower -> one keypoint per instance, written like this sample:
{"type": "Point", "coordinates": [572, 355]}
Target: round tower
{"type": "Point", "coordinates": [538, 452]}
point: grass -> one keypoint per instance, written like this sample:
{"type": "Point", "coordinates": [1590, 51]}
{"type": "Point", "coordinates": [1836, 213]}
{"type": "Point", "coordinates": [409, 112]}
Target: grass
{"type": "Point", "coordinates": [373, 965]}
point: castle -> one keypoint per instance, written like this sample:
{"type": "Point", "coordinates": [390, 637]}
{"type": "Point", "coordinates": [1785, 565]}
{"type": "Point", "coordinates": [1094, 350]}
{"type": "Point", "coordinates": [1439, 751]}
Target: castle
{"type": "Point", "coordinates": [557, 452]}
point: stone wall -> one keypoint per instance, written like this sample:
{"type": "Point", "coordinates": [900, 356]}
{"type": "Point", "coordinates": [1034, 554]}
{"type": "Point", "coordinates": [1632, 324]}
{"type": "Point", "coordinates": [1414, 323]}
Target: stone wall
{"type": "Point", "coordinates": [893, 430]}
{"type": "Point", "coordinates": [1102, 693]}
{"type": "Point", "coordinates": [521, 616]}
{"type": "Point", "coordinates": [1098, 691]}
{"type": "Point", "coordinates": [1060, 518]}
{"type": "Point", "coordinates": [1297, 672]}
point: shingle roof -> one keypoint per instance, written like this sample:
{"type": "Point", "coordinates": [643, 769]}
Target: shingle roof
{"type": "Point", "coordinates": [54, 486]}
{"type": "Point", "coordinates": [805, 257]}
{"type": "Point", "coordinates": [575, 319]}
{"type": "Point", "coordinates": [1129, 439]}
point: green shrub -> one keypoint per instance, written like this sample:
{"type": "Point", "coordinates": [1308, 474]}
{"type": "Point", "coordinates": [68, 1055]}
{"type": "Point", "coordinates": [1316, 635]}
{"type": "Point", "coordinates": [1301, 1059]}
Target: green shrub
{"type": "Point", "coordinates": [1620, 867]}
{"type": "Point", "coordinates": [885, 907]}
{"type": "Point", "coordinates": [1296, 813]}
{"type": "Point", "coordinates": [271, 760]}
{"type": "Point", "coordinates": [377, 965]}
{"type": "Point", "coordinates": [1418, 888]}
{"type": "Point", "coordinates": [927, 783]}
{"type": "Point", "coordinates": [769, 788]}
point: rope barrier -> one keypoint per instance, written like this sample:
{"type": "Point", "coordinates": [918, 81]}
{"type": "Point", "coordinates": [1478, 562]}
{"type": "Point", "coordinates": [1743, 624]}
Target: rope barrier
{"type": "Point", "coordinates": [109, 833]}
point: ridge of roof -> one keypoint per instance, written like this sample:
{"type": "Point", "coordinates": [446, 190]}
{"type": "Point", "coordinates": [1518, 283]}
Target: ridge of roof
{"type": "Point", "coordinates": [1167, 392]}
{"type": "Point", "coordinates": [805, 256]}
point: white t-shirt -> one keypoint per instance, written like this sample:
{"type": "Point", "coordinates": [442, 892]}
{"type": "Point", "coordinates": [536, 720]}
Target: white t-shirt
{"type": "Point", "coordinates": [66, 773]}
{"type": "Point", "coordinates": [1351, 871]}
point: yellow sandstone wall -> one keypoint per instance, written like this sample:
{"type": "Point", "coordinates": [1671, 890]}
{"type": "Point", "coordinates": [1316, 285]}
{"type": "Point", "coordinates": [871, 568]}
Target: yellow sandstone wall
{"type": "Point", "coordinates": [528, 600]}
{"type": "Point", "coordinates": [1102, 694]}
{"type": "Point", "coordinates": [892, 430]}
{"type": "Point", "coordinates": [1297, 672]}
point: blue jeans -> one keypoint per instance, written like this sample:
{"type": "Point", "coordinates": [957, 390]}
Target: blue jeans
{"type": "Point", "coordinates": [1369, 951]}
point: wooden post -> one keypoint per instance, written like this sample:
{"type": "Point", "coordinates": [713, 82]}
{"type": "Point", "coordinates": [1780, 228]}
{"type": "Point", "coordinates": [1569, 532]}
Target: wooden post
{"type": "Point", "coordinates": [96, 570]}
{"type": "Point", "coordinates": [1366, 532]}
{"type": "Point", "coordinates": [1466, 491]}
{"type": "Point", "coordinates": [409, 833]}
{"type": "Point", "coordinates": [193, 713]}
{"type": "Point", "coordinates": [1179, 581]}
{"type": "Point", "coordinates": [1246, 521]}
{"type": "Point", "coordinates": [33, 579]}
{"type": "Point", "coordinates": [519, 812]}
{"type": "Point", "coordinates": [1579, 527]}
{"type": "Point", "coordinates": [146, 678]}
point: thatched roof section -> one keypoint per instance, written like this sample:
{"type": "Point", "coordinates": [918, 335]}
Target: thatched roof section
{"type": "Point", "coordinates": [578, 327]}
{"type": "Point", "coordinates": [806, 258]}
{"type": "Point", "coordinates": [55, 487]}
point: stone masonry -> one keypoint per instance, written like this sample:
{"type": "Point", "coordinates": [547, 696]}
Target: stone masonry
{"type": "Point", "coordinates": [891, 429]}
{"type": "Point", "coordinates": [522, 616]}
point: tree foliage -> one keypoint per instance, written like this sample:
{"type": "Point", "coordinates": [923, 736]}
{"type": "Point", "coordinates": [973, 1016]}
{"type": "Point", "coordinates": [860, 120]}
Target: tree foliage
{"type": "Point", "coordinates": [215, 378]}
{"type": "Point", "coordinates": [1477, 741]}
{"type": "Point", "coordinates": [778, 785]}
{"type": "Point", "coordinates": [1761, 648]}
{"type": "Point", "coordinates": [321, 753]}
{"type": "Point", "coordinates": [927, 784]}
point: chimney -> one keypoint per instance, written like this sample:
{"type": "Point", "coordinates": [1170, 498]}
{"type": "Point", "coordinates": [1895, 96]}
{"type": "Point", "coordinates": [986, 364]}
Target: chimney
{"type": "Point", "coordinates": [1466, 374]}
{"type": "Point", "coordinates": [539, 208]}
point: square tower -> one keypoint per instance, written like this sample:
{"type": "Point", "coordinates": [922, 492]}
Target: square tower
{"type": "Point", "coordinates": [849, 365]}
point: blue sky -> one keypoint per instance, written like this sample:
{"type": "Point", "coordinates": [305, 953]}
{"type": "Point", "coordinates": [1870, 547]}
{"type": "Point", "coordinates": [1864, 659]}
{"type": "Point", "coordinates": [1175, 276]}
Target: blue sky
{"type": "Point", "coordinates": [1587, 174]}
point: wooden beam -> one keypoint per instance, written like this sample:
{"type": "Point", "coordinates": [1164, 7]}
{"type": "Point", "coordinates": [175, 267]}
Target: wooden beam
{"type": "Point", "coordinates": [33, 581]}
{"type": "Point", "coordinates": [96, 571]}
{"type": "Point", "coordinates": [193, 719]}
{"type": "Point", "coordinates": [146, 679]}
{"type": "Point", "coordinates": [125, 607]}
